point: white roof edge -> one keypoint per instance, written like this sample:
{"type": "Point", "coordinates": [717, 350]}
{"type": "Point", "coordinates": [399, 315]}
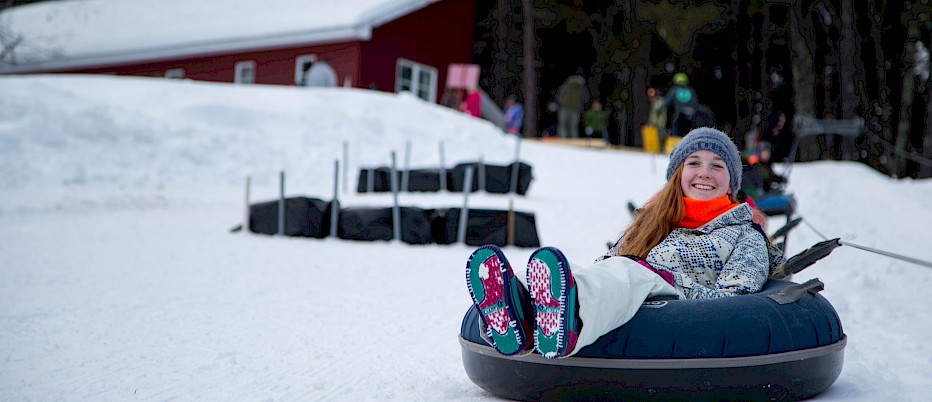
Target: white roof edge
{"type": "Point", "coordinates": [363, 33]}
{"type": "Point", "coordinates": [389, 13]}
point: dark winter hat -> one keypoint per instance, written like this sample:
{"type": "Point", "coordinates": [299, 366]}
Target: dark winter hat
{"type": "Point", "coordinates": [709, 139]}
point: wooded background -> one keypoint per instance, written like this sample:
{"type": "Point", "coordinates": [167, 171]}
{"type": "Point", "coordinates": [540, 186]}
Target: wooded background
{"type": "Point", "coordinates": [746, 59]}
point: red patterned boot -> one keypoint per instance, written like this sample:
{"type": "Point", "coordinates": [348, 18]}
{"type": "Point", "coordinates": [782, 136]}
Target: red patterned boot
{"type": "Point", "coordinates": [503, 302]}
{"type": "Point", "coordinates": [553, 295]}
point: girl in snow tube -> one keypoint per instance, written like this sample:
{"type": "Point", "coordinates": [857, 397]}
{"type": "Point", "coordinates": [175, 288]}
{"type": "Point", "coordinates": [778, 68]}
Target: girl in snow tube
{"type": "Point", "coordinates": [693, 240]}
{"type": "Point", "coordinates": [782, 343]}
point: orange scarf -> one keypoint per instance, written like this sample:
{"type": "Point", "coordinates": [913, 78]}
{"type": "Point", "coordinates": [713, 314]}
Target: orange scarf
{"type": "Point", "coordinates": [699, 213]}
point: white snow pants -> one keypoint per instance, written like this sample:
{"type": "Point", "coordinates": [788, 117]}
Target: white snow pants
{"type": "Point", "coordinates": [610, 292]}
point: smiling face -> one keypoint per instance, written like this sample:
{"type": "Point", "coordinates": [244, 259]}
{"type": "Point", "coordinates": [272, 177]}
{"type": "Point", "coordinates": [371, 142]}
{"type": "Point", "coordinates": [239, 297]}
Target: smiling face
{"type": "Point", "coordinates": [705, 176]}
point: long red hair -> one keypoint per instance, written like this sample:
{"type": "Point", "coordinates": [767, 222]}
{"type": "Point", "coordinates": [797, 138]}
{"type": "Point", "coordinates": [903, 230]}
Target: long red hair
{"type": "Point", "coordinates": [657, 219]}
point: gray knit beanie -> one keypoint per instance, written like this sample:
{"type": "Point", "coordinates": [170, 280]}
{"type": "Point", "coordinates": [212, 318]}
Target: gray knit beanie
{"type": "Point", "coordinates": [709, 139]}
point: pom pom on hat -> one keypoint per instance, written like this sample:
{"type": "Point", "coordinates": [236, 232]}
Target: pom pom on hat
{"type": "Point", "coordinates": [708, 139]}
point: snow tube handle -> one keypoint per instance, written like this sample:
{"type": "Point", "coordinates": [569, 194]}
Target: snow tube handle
{"type": "Point", "coordinates": [786, 228]}
{"type": "Point", "coordinates": [791, 294]}
{"type": "Point", "coordinates": [806, 258]}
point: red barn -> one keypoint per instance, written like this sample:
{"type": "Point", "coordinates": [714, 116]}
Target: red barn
{"type": "Point", "coordinates": [389, 45]}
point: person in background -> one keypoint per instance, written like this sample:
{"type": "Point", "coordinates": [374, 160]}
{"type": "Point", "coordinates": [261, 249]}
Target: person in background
{"type": "Point", "coordinates": [473, 103]}
{"type": "Point", "coordinates": [682, 104]}
{"type": "Point", "coordinates": [514, 115]}
{"type": "Point", "coordinates": [762, 164]}
{"type": "Point", "coordinates": [658, 114]}
{"type": "Point", "coordinates": [692, 240]}
{"type": "Point", "coordinates": [321, 74]}
{"type": "Point", "coordinates": [571, 97]}
{"type": "Point", "coordinates": [595, 121]}
{"type": "Point", "coordinates": [751, 140]}
{"type": "Point", "coordinates": [777, 134]}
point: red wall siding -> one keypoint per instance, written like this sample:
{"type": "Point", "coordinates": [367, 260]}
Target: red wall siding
{"type": "Point", "coordinates": [437, 35]}
{"type": "Point", "coordinates": [272, 66]}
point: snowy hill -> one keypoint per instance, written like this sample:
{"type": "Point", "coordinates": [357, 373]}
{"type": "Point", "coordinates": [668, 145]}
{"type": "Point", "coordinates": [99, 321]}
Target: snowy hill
{"type": "Point", "coordinates": [119, 278]}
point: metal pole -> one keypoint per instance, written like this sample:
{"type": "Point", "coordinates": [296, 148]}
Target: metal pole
{"type": "Point", "coordinates": [510, 223]}
{"type": "Point", "coordinates": [246, 220]}
{"type": "Point", "coordinates": [464, 213]}
{"type": "Point", "coordinates": [482, 182]}
{"type": "Point", "coordinates": [516, 166]}
{"type": "Point", "coordinates": [370, 180]}
{"type": "Point", "coordinates": [335, 204]}
{"type": "Point", "coordinates": [406, 173]}
{"type": "Point", "coordinates": [396, 211]}
{"type": "Point", "coordinates": [281, 203]}
{"type": "Point", "coordinates": [513, 192]}
{"type": "Point", "coordinates": [345, 166]}
{"type": "Point", "coordinates": [443, 170]}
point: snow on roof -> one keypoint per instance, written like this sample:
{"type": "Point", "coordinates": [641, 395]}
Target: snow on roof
{"type": "Point", "coordinates": [85, 33]}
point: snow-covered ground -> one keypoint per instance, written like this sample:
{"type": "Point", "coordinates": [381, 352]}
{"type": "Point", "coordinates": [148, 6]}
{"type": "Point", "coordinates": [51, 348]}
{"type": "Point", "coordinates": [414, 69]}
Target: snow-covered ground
{"type": "Point", "coordinates": [120, 278]}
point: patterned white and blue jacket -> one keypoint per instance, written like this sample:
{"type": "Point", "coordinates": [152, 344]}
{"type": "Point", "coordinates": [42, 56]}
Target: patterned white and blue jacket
{"type": "Point", "coordinates": [726, 257]}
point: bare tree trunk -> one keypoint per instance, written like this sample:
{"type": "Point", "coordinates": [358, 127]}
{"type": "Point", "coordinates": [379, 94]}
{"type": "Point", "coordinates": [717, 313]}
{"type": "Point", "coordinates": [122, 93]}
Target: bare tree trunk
{"type": "Point", "coordinates": [802, 39]}
{"type": "Point", "coordinates": [906, 103]}
{"type": "Point", "coordinates": [640, 101]}
{"type": "Point", "coordinates": [829, 144]}
{"type": "Point", "coordinates": [802, 46]}
{"type": "Point", "coordinates": [925, 170]}
{"type": "Point", "coordinates": [741, 19]}
{"type": "Point", "coordinates": [624, 106]}
{"type": "Point", "coordinates": [902, 134]}
{"type": "Point", "coordinates": [500, 57]}
{"type": "Point", "coordinates": [881, 108]}
{"type": "Point", "coordinates": [848, 70]}
{"type": "Point", "coordinates": [850, 74]}
{"type": "Point", "coordinates": [601, 30]}
{"type": "Point", "coordinates": [530, 71]}
{"type": "Point", "coordinates": [764, 72]}
{"type": "Point", "coordinates": [637, 82]}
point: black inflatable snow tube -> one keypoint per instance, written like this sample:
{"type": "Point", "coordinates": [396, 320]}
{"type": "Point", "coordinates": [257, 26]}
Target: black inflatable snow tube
{"type": "Point", "coordinates": [783, 343]}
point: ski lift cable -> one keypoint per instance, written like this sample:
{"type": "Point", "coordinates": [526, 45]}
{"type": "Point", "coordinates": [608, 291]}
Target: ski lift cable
{"type": "Point", "coordinates": [900, 257]}
{"type": "Point", "coordinates": [806, 221]}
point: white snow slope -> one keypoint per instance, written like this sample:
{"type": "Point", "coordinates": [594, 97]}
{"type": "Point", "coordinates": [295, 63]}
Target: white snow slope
{"type": "Point", "coordinates": [120, 279]}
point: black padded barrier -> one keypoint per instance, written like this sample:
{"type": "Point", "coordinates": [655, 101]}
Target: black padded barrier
{"type": "Point", "coordinates": [311, 217]}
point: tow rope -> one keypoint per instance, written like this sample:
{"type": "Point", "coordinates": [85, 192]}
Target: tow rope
{"type": "Point", "coordinates": [900, 257]}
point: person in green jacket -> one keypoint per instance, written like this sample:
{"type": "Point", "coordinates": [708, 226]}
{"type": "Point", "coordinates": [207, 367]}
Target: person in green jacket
{"type": "Point", "coordinates": [595, 121]}
{"type": "Point", "coordinates": [571, 97]}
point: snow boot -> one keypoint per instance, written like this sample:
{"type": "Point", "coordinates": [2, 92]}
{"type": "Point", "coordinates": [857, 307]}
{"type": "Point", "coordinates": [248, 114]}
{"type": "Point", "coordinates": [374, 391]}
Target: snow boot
{"type": "Point", "coordinates": [504, 304]}
{"type": "Point", "coordinates": [556, 310]}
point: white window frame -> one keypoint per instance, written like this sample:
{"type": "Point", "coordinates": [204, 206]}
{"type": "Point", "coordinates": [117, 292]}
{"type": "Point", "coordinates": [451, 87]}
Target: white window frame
{"type": "Point", "coordinates": [175, 73]}
{"type": "Point", "coordinates": [242, 66]}
{"type": "Point", "coordinates": [414, 86]}
{"type": "Point", "coordinates": [299, 70]}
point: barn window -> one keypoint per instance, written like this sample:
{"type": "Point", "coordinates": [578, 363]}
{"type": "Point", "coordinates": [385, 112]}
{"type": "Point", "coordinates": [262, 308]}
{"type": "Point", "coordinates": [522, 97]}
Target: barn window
{"type": "Point", "coordinates": [176, 73]}
{"type": "Point", "coordinates": [301, 65]}
{"type": "Point", "coordinates": [245, 72]}
{"type": "Point", "coordinates": [418, 78]}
